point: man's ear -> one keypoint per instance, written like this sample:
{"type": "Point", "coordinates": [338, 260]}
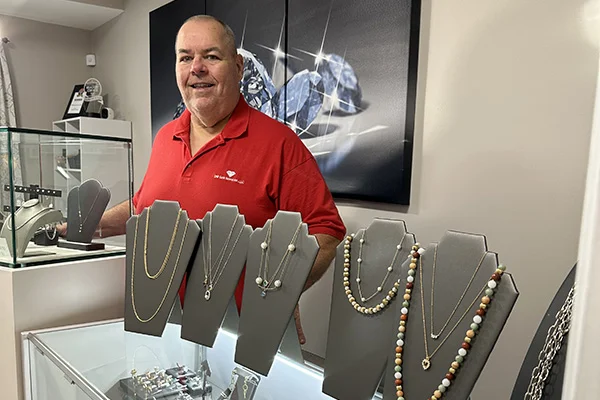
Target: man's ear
{"type": "Point", "coordinates": [239, 62]}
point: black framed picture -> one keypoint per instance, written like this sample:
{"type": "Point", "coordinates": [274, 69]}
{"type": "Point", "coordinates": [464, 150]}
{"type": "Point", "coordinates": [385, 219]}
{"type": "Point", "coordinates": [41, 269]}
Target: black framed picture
{"type": "Point", "coordinates": [76, 106]}
{"type": "Point", "coordinates": [342, 75]}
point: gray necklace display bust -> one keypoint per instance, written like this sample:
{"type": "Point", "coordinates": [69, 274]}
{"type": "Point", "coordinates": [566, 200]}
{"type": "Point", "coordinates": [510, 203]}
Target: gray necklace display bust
{"type": "Point", "coordinates": [27, 219]}
{"type": "Point", "coordinates": [86, 204]}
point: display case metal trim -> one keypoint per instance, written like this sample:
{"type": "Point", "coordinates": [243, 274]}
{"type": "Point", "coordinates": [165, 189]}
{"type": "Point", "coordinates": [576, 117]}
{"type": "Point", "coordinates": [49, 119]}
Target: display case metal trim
{"type": "Point", "coordinates": [69, 371]}
{"type": "Point", "coordinates": [66, 134]}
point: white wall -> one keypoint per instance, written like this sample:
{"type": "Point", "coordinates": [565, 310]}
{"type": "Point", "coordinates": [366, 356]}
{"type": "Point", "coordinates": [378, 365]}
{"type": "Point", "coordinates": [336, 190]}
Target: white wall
{"type": "Point", "coordinates": [504, 115]}
{"type": "Point", "coordinates": [46, 61]}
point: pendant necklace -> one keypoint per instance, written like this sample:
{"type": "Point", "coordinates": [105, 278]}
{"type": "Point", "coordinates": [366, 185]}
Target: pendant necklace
{"type": "Point", "coordinates": [275, 281]}
{"type": "Point", "coordinates": [434, 335]}
{"type": "Point", "coordinates": [347, 265]}
{"type": "Point", "coordinates": [168, 254]}
{"type": "Point", "coordinates": [79, 206]}
{"type": "Point", "coordinates": [213, 273]}
{"type": "Point", "coordinates": [135, 312]}
{"type": "Point", "coordinates": [490, 290]}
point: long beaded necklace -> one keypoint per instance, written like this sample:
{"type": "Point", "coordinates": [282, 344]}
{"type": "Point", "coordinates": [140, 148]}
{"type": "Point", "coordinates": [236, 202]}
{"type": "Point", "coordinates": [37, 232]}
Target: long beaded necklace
{"type": "Point", "coordinates": [137, 316]}
{"type": "Point", "coordinates": [79, 207]}
{"type": "Point", "coordinates": [213, 274]}
{"type": "Point", "coordinates": [168, 254]}
{"type": "Point", "coordinates": [433, 335]}
{"type": "Point", "coordinates": [347, 288]}
{"type": "Point", "coordinates": [263, 281]}
{"type": "Point", "coordinates": [467, 341]}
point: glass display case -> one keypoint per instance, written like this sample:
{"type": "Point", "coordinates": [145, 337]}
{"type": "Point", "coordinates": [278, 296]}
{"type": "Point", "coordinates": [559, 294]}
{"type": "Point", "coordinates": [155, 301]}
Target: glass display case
{"type": "Point", "coordinates": [55, 187]}
{"type": "Point", "coordinates": [102, 361]}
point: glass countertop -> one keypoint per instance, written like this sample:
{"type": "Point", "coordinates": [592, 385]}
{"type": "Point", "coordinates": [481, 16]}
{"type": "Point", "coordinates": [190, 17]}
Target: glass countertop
{"type": "Point", "coordinates": [104, 355]}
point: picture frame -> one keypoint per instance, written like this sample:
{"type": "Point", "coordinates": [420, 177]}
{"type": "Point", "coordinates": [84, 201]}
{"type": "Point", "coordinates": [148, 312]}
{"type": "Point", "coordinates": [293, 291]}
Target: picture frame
{"type": "Point", "coordinates": [76, 106]}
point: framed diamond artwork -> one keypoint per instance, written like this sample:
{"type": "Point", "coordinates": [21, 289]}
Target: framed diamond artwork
{"type": "Point", "coordinates": [341, 74]}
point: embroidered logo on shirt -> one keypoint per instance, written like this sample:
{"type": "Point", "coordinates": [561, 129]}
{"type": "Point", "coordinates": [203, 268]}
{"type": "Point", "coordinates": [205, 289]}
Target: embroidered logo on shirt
{"type": "Point", "coordinates": [229, 176]}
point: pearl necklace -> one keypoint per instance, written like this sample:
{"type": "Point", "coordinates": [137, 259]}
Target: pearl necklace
{"type": "Point", "coordinates": [466, 345]}
{"type": "Point", "coordinates": [274, 282]}
{"type": "Point", "coordinates": [391, 293]}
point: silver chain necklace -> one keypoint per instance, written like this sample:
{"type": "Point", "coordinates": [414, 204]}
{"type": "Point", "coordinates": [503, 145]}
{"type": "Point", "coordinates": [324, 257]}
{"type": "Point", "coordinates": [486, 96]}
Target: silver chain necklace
{"type": "Point", "coordinates": [80, 206]}
{"type": "Point", "coordinates": [552, 344]}
{"type": "Point", "coordinates": [275, 281]}
{"type": "Point", "coordinates": [212, 274]}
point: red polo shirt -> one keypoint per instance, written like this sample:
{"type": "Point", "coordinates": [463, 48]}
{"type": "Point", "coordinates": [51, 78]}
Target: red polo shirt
{"type": "Point", "coordinates": [256, 163]}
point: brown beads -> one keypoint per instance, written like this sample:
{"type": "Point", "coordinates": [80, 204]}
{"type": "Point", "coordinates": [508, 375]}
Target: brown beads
{"type": "Point", "coordinates": [480, 312]}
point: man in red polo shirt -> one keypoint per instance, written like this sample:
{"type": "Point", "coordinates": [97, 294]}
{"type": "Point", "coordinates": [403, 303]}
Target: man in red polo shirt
{"type": "Point", "coordinates": [220, 150]}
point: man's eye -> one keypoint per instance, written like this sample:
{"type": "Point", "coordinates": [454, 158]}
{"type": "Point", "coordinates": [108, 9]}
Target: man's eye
{"type": "Point", "coordinates": [212, 57]}
{"type": "Point", "coordinates": [185, 59]}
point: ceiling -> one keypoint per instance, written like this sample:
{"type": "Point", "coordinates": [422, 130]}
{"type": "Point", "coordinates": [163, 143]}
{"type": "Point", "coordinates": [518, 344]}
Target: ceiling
{"type": "Point", "coordinates": [83, 14]}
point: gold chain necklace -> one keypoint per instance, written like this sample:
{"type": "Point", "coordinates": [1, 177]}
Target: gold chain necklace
{"type": "Point", "coordinates": [144, 320]}
{"type": "Point", "coordinates": [426, 363]}
{"type": "Point", "coordinates": [434, 336]}
{"type": "Point", "coordinates": [168, 255]}
{"type": "Point", "coordinates": [80, 206]}
{"type": "Point", "coordinates": [211, 278]}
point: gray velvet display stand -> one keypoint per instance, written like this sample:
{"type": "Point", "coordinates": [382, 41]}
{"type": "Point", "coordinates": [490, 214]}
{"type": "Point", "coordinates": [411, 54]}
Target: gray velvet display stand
{"type": "Point", "coordinates": [458, 254]}
{"type": "Point", "coordinates": [86, 204]}
{"type": "Point", "coordinates": [224, 244]}
{"type": "Point", "coordinates": [154, 298]}
{"type": "Point", "coordinates": [27, 219]}
{"type": "Point", "coordinates": [264, 319]}
{"type": "Point", "coordinates": [358, 344]}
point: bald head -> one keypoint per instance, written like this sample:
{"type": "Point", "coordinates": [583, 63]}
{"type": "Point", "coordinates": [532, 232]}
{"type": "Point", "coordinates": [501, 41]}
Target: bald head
{"type": "Point", "coordinates": [228, 35]}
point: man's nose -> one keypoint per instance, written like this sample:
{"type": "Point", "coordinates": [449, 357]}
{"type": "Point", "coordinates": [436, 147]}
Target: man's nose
{"type": "Point", "coordinates": [198, 66]}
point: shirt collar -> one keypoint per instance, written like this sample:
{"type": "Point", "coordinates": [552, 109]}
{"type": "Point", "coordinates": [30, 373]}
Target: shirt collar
{"type": "Point", "coordinates": [234, 128]}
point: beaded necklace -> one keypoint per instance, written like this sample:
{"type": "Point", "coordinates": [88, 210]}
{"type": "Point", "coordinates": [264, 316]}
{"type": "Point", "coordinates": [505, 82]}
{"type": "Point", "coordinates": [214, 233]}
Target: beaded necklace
{"type": "Point", "coordinates": [489, 288]}
{"type": "Point", "coordinates": [391, 293]}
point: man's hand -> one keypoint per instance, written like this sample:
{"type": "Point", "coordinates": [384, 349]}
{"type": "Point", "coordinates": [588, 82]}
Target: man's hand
{"type": "Point", "coordinates": [299, 325]}
{"type": "Point", "coordinates": [61, 229]}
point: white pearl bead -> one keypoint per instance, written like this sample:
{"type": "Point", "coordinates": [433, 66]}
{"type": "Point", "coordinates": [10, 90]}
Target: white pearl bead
{"type": "Point", "coordinates": [264, 245]}
{"type": "Point", "coordinates": [362, 240]}
{"type": "Point", "coordinates": [388, 298]}
{"type": "Point", "coordinates": [410, 278]}
{"type": "Point", "coordinates": [462, 352]}
{"type": "Point", "coordinates": [346, 260]}
{"type": "Point", "coordinates": [357, 280]}
{"type": "Point", "coordinates": [278, 283]}
{"type": "Point", "coordinates": [492, 284]}
{"type": "Point", "coordinates": [379, 289]}
{"type": "Point", "coordinates": [390, 269]}
{"type": "Point", "coordinates": [446, 382]}
{"type": "Point", "coordinates": [398, 375]}
{"type": "Point", "coordinates": [400, 342]}
{"type": "Point", "coordinates": [259, 280]}
{"type": "Point", "coordinates": [404, 310]}
{"type": "Point", "coordinates": [399, 246]}
{"type": "Point", "coordinates": [418, 244]}
{"type": "Point", "coordinates": [291, 247]}
{"type": "Point", "coordinates": [346, 269]}
{"type": "Point", "coordinates": [477, 319]}
{"type": "Point", "coordinates": [363, 299]}
{"type": "Point", "coordinates": [421, 250]}
{"type": "Point", "coordinates": [359, 260]}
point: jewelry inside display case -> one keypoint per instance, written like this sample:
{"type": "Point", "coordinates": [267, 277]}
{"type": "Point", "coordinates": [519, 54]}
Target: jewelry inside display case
{"type": "Point", "coordinates": [55, 187]}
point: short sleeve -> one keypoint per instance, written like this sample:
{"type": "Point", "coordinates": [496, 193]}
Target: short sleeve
{"type": "Point", "coordinates": [304, 190]}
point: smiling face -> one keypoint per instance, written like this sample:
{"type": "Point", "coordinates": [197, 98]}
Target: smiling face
{"type": "Point", "coordinates": [208, 71]}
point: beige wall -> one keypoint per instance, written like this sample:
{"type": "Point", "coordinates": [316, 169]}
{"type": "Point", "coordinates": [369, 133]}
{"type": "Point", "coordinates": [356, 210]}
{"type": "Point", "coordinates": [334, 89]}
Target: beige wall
{"type": "Point", "coordinates": [504, 115]}
{"type": "Point", "coordinates": [46, 61]}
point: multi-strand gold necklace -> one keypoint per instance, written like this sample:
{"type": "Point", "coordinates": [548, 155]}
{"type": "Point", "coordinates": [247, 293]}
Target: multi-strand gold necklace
{"type": "Point", "coordinates": [154, 276]}
{"type": "Point", "coordinates": [489, 289]}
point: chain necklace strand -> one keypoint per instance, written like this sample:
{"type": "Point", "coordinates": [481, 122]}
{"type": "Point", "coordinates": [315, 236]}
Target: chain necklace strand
{"type": "Point", "coordinates": [434, 335]}
{"type": "Point", "coordinates": [426, 363]}
{"type": "Point", "coordinates": [552, 345]}
{"type": "Point", "coordinates": [42, 211]}
{"type": "Point", "coordinates": [80, 206]}
{"type": "Point", "coordinates": [210, 278]}
{"type": "Point", "coordinates": [137, 316]}
{"type": "Point", "coordinates": [390, 268]}
{"type": "Point", "coordinates": [169, 249]}
{"type": "Point", "coordinates": [263, 281]}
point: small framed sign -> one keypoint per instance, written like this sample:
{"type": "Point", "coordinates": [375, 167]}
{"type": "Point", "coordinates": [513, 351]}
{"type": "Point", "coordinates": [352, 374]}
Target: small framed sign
{"type": "Point", "coordinates": [77, 105]}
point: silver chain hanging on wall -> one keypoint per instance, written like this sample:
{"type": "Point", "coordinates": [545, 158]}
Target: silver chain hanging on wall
{"type": "Point", "coordinates": [552, 345]}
